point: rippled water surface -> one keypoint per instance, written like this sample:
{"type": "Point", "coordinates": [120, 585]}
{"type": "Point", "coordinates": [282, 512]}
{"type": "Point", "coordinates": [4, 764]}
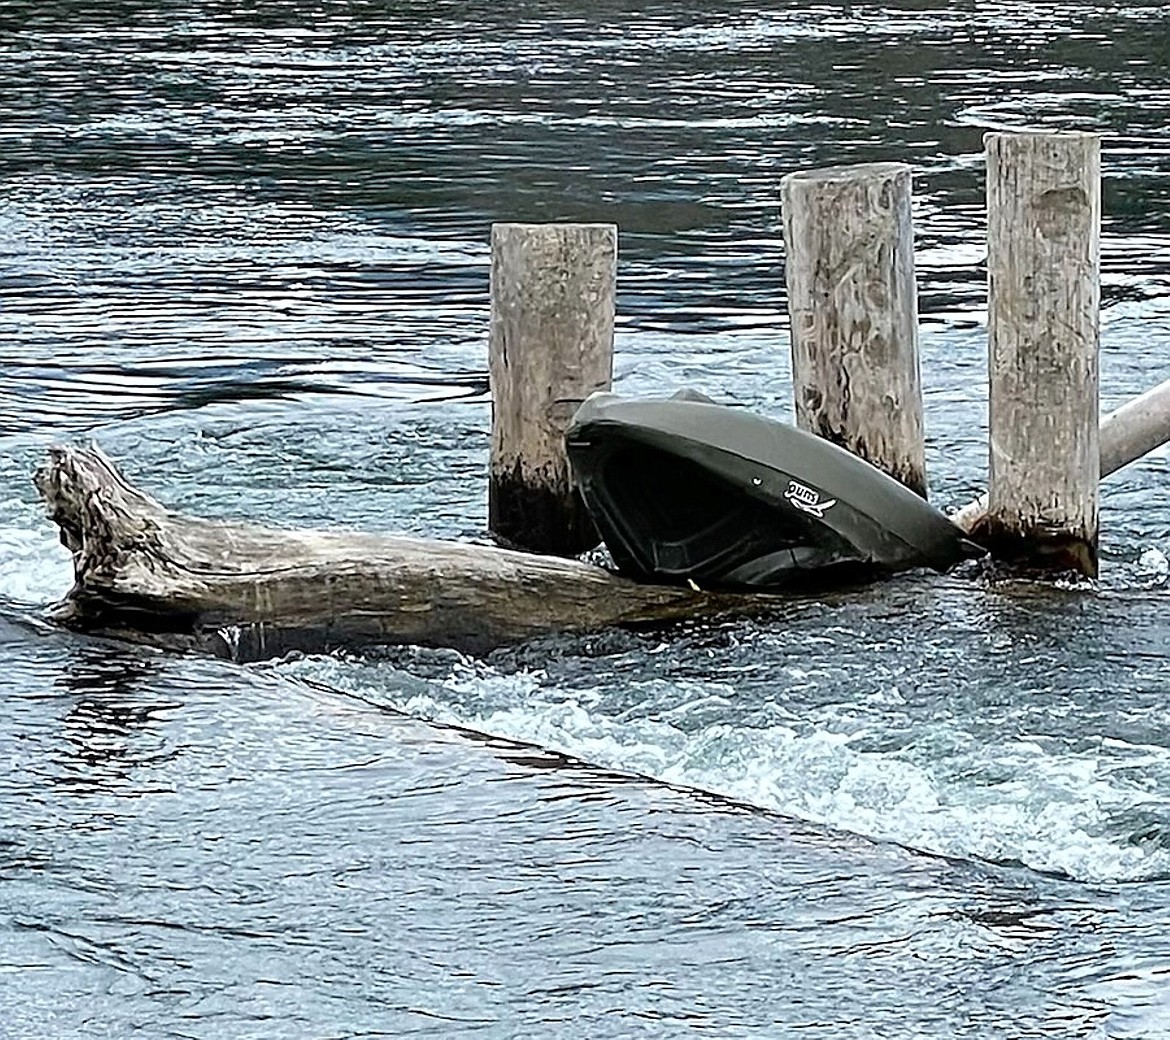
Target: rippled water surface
{"type": "Point", "coordinates": [245, 247]}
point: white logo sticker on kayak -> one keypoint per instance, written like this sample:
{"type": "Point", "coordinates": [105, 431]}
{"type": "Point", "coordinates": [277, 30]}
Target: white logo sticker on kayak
{"type": "Point", "coordinates": [807, 500]}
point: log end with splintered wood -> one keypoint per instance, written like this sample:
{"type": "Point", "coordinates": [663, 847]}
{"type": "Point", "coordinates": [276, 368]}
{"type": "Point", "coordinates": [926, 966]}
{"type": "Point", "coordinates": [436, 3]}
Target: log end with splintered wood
{"type": "Point", "coordinates": [145, 572]}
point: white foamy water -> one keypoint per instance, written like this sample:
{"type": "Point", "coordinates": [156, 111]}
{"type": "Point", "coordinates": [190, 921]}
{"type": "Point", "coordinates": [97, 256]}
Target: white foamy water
{"type": "Point", "coordinates": [1018, 803]}
{"type": "Point", "coordinates": [34, 567]}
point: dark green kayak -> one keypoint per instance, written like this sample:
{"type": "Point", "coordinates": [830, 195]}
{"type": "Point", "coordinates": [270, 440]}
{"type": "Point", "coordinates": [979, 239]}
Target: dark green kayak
{"type": "Point", "coordinates": [684, 488]}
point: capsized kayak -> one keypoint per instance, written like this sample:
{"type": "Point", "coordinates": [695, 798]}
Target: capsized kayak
{"type": "Point", "coordinates": [683, 489]}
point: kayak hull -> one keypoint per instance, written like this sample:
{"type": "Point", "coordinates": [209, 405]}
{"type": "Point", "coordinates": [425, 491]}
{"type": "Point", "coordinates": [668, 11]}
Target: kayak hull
{"type": "Point", "coordinates": [684, 489]}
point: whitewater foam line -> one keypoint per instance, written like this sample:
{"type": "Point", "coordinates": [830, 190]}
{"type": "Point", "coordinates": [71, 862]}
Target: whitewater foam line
{"type": "Point", "coordinates": [34, 567]}
{"type": "Point", "coordinates": [1047, 812]}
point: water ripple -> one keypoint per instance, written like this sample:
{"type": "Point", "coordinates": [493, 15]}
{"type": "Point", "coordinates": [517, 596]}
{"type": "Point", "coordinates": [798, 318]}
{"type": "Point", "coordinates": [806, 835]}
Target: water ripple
{"type": "Point", "coordinates": [247, 246]}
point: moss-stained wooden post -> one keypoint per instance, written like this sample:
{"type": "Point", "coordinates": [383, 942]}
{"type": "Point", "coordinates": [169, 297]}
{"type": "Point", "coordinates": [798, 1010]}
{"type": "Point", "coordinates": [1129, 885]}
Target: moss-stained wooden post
{"type": "Point", "coordinates": [551, 346]}
{"type": "Point", "coordinates": [853, 305]}
{"type": "Point", "coordinates": [1043, 238]}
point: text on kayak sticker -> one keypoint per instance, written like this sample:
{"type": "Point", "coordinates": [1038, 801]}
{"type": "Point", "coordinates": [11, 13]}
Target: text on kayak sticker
{"type": "Point", "coordinates": [807, 500]}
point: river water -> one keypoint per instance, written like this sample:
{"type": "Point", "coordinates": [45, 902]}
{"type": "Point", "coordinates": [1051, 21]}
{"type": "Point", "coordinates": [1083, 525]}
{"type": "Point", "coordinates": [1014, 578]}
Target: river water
{"type": "Point", "coordinates": [244, 246]}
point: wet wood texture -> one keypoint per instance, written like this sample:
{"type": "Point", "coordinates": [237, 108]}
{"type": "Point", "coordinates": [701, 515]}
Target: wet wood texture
{"type": "Point", "coordinates": [551, 345]}
{"type": "Point", "coordinates": [853, 305]}
{"type": "Point", "coordinates": [1044, 217]}
{"type": "Point", "coordinates": [147, 573]}
{"type": "Point", "coordinates": [1125, 435]}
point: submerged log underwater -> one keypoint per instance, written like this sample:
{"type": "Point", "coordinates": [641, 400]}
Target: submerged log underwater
{"type": "Point", "coordinates": [147, 573]}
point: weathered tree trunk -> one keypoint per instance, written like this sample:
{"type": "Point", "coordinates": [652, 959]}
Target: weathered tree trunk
{"type": "Point", "coordinates": [142, 571]}
{"type": "Point", "coordinates": [853, 305]}
{"type": "Point", "coordinates": [1043, 232]}
{"type": "Point", "coordinates": [551, 346]}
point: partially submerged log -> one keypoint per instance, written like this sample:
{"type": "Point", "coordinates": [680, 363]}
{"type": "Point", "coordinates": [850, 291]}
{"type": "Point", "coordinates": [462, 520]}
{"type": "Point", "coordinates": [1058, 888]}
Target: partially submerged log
{"type": "Point", "coordinates": [249, 592]}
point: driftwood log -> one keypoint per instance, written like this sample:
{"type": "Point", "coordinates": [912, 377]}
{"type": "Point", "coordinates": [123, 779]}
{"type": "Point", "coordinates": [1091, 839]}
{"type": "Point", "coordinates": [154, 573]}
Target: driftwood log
{"type": "Point", "coordinates": [247, 592]}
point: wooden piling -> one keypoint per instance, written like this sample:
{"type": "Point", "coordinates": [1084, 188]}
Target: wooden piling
{"type": "Point", "coordinates": [1044, 217]}
{"type": "Point", "coordinates": [551, 345]}
{"type": "Point", "coordinates": [1126, 434]}
{"type": "Point", "coordinates": [853, 305]}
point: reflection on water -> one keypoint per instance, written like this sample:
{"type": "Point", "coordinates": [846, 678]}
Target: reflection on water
{"type": "Point", "coordinates": [111, 727]}
{"type": "Point", "coordinates": [246, 244]}
{"type": "Point", "coordinates": [270, 184]}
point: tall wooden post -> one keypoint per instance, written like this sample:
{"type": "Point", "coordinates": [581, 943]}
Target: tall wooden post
{"type": "Point", "coordinates": [551, 345]}
{"type": "Point", "coordinates": [853, 305]}
{"type": "Point", "coordinates": [1043, 238]}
